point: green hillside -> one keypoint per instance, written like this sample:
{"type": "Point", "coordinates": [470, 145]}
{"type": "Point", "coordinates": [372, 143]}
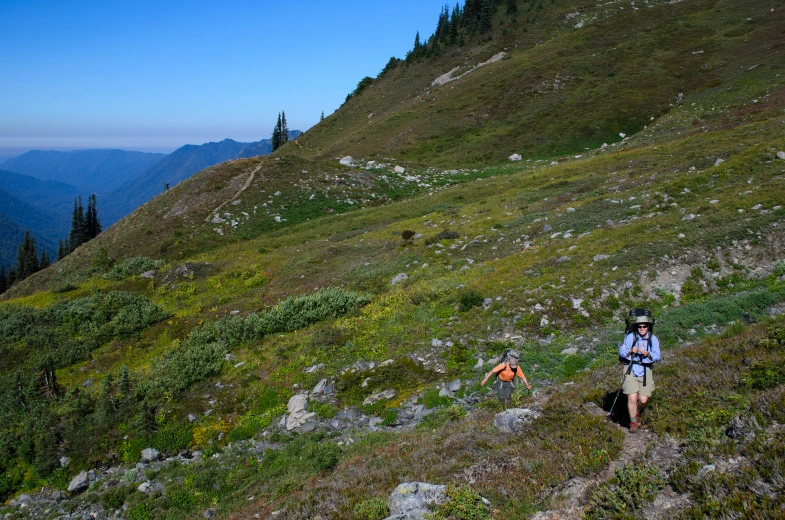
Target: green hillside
{"type": "Point", "coordinates": [190, 324]}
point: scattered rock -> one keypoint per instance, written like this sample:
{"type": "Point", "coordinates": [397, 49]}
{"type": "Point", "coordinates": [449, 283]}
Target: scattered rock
{"type": "Point", "coordinates": [314, 368]}
{"type": "Point", "coordinates": [400, 277]}
{"type": "Point", "coordinates": [547, 228]}
{"type": "Point", "coordinates": [515, 157]}
{"type": "Point", "coordinates": [78, 483]}
{"type": "Point", "coordinates": [347, 161]}
{"type": "Point", "coordinates": [298, 413]}
{"type": "Point", "coordinates": [399, 169]}
{"type": "Point", "coordinates": [454, 386]}
{"type": "Point", "coordinates": [718, 162]}
{"type": "Point", "coordinates": [598, 258]}
{"type": "Point", "coordinates": [386, 395]}
{"type": "Point", "coordinates": [150, 454]}
{"type": "Point", "coordinates": [569, 351]}
{"type": "Point", "coordinates": [319, 388]}
{"type": "Point", "coordinates": [144, 487]}
{"type": "Point", "coordinates": [148, 274]}
{"type": "Point", "coordinates": [437, 342]}
{"type": "Point", "coordinates": [781, 155]}
{"type": "Point", "coordinates": [514, 419]}
{"type": "Point", "coordinates": [413, 500]}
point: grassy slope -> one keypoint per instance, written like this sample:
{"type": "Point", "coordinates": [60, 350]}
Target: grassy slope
{"type": "Point", "coordinates": [495, 218]}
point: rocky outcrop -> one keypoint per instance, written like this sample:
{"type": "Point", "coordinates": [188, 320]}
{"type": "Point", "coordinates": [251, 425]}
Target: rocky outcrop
{"type": "Point", "coordinates": [413, 500]}
{"type": "Point", "coordinates": [514, 419]}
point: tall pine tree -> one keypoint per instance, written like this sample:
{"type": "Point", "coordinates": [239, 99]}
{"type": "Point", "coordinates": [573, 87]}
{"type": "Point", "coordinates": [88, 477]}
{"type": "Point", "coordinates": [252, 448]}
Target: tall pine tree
{"type": "Point", "coordinates": [512, 6]}
{"type": "Point", "coordinates": [92, 222]}
{"type": "Point", "coordinates": [284, 129]}
{"type": "Point", "coordinates": [79, 233]}
{"type": "Point", "coordinates": [276, 139]}
{"type": "Point", "coordinates": [3, 281]}
{"type": "Point", "coordinates": [486, 16]}
{"type": "Point", "coordinates": [44, 262]}
{"type": "Point", "coordinates": [26, 258]}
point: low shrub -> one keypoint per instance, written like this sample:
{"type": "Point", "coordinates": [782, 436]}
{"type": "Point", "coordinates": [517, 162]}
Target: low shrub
{"type": "Point", "coordinates": [462, 503]}
{"type": "Point", "coordinates": [632, 487]}
{"type": "Point", "coordinates": [133, 267]}
{"type": "Point", "coordinates": [372, 509]}
{"type": "Point", "coordinates": [469, 299]}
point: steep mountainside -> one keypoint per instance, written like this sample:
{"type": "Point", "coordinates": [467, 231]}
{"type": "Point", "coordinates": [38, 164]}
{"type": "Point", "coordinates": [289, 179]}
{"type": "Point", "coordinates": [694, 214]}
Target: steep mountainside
{"type": "Point", "coordinates": [176, 167]}
{"type": "Point", "coordinates": [570, 75]}
{"type": "Point", "coordinates": [298, 336]}
{"type": "Point", "coordinates": [91, 171]}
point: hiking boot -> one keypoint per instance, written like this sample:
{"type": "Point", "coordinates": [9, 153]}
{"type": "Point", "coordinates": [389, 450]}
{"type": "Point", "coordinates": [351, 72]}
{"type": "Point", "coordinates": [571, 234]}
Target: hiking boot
{"type": "Point", "coordinates": [634, 427]}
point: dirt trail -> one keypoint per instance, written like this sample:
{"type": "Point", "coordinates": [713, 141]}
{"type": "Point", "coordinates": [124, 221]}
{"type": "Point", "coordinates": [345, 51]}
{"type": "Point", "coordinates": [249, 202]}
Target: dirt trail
{"type": "Point", "coordinates": [242, 189]}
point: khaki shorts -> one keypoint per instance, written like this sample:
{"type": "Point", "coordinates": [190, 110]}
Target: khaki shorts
{"type": "Point", "coordinates": [634, 384]}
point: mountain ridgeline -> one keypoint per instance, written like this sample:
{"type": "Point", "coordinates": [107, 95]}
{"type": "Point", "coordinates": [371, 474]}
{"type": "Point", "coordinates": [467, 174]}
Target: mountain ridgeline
{"type": "Point", "coordinates": [294, 336]}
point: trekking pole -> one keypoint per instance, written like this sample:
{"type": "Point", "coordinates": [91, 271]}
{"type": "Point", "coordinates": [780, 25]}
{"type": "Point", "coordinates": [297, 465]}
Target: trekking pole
{"type": "Point", "coordinates": [621, 385]}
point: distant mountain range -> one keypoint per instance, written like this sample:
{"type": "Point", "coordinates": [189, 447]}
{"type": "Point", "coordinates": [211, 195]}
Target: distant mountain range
{"type": "Point", "coordinates": [34, 196]}
{"type": "Point", "coordinates": [176, 167]}
{"type": "Point", "coordinates": [91, 171]}
{"type": "Point", "coordinates": [16, 216]}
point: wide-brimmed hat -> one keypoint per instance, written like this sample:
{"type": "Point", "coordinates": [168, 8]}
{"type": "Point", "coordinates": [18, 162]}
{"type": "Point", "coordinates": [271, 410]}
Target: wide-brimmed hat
{"type": "Point", "coordinates": [643, 319]}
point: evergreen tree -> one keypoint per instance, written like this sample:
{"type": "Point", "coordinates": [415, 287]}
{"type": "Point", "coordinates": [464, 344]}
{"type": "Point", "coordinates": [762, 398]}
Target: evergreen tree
{"type": "Point", "coordinates": [45, 262]}
{"type": "Point", "coordinates": [284, 129]}
{"type": "Point", "coordinates": [455, 22]}
{"type": "Point", "coordinates": [105, 407]}
{"type": "Point", "coordinates": [471, 14]}
{"type": "Point", "coordinates": [276, 139]}
{"type": "Point", "coordinates": [26, 257]}
{"type": "Point", "coordinates": [512, 6]}
{"type": "Point", "coordinates": [92, 221]}
{"type": "Point", "coordinates": [321, 118]}
{"type": "Point", "coordinates": [486, 16]}
{"type": "Point", "coordinates": [79, 233]}
{"type": "Point", "coordinates": [3, 281]}
{"type": "Point", "coordinates": [124, 389]}
{"type": "Point", "coordinates": [11, 278]}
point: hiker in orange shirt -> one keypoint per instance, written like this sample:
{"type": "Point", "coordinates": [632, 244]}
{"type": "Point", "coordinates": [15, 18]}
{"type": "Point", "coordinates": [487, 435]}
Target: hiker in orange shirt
{"type": "Point", "coordinates": [507, 370]}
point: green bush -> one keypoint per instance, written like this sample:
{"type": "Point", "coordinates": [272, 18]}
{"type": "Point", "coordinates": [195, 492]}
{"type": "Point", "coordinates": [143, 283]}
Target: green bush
{"type": "Point", "coordinates": [372, 509]}
{"type": "Point", "coordinates": [432, 399]}
{"type": "Point", "coordinates": [631, 488]}
{"type": "Point", "coordinates": [462, 503]}
{"type": "Point", "coordinates": [140, 511]}
{"type": "Point", "coordinates": [133, 267]}
{"type": "Point", "coordinates": [186, 364]}
{"type": "Point", "coordinates": [469, 299]}
{"type": "Point", "coordinates": [779, 268]}
{"type": "Point", "coordinates": [172, 438]}
{"type": "Point", "coordinates": [293, 313]}
{"type": "Point", "coordinates": [114, 498]}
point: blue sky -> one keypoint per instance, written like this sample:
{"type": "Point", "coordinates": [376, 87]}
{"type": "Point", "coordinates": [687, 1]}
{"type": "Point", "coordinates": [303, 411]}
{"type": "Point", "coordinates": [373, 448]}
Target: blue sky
{"type": "Point", "coordinates": [156, 75]}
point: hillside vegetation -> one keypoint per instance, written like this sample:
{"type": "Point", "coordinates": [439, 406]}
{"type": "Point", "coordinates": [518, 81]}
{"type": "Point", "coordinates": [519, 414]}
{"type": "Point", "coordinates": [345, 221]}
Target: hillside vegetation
{"type": "Point", "coordinates": [190, 324]}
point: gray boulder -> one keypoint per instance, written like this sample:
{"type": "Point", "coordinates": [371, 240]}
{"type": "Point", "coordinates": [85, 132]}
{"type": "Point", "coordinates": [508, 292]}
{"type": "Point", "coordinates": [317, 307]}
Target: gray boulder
{"type": "Point", "coordinates": [347, 161]}
{"type": "Point", "coordinates": [320, 386]}
{"type": "Point", "coordinates": [514, 419]}
{"type": "Point", "coordinates": [380, 396]}
{"type": "Point", "coordinates": [413, 500]}
{"type": "Point", "coordinates": [150, 454]}
{"type": "Point", "coordinates": [298, 412]}
{"type": "Point", "coordinates": [79, 483]}
{"type": "Point", "coordinates": [398, 278]}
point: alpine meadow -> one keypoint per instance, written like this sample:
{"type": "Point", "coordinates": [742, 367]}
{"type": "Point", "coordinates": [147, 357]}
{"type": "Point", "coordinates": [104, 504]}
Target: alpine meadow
{"type": "Point", "coordinates": [297, 335]}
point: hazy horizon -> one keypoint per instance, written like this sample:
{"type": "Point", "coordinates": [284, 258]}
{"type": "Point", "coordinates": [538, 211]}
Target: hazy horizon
{"type": "Point", "coordinates": [152, 76]}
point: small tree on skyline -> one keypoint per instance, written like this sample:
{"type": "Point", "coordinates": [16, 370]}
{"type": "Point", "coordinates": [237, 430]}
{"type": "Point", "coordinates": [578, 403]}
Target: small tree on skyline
{"type": "Point", "coordinates": [276, 138]}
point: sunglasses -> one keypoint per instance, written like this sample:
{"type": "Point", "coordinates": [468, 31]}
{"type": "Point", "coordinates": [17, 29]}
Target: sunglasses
{"type": "Point", "coordinates": [643, 326]}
